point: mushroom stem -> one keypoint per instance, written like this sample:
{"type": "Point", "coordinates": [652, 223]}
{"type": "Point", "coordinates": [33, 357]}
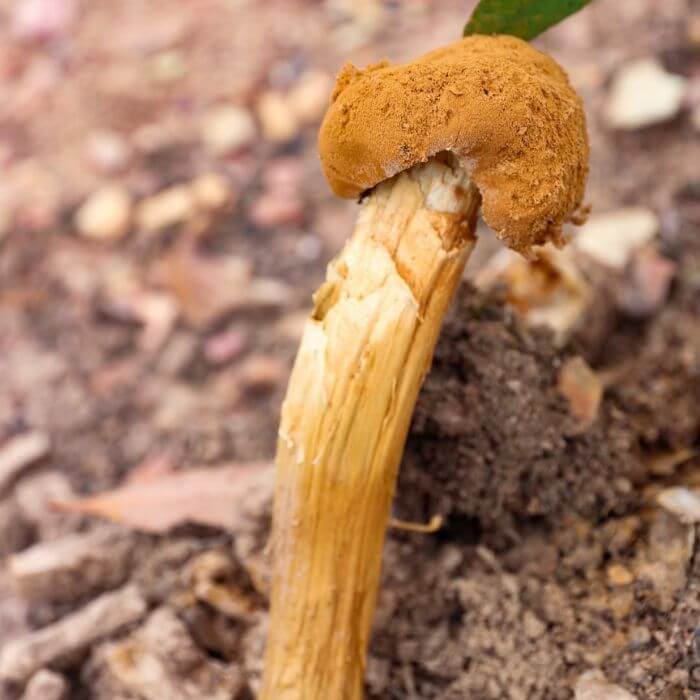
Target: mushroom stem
{"type": "Point", "coordinates": [363, 357]}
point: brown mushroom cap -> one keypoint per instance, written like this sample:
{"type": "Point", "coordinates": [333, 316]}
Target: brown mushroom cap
{"type": "Point", "coordinates": [506, 109]}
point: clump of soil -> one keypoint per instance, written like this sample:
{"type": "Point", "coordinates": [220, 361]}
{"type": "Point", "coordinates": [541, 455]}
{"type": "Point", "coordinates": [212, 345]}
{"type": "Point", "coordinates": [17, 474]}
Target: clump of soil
{"type": "Point", "coordinates": [493, 438]}
{"type": "Point", "coordinates": [459, 620]}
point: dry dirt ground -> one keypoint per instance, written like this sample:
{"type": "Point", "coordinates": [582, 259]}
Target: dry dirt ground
{"type": "Point", "coordinates": [163, 223]}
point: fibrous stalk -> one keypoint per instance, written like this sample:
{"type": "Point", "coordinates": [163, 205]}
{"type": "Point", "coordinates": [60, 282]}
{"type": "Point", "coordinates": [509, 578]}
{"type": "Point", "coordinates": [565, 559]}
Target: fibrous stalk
{"type": "Point", "coordinates": [363, 356]}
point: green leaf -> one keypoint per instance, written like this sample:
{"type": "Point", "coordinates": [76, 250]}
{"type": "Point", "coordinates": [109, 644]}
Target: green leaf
{"type": "Point", "coordinates": [523, 18]}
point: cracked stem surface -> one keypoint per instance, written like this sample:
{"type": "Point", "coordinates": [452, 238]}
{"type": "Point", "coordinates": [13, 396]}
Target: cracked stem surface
{"type": "Point", "coordinates": [362, 359]}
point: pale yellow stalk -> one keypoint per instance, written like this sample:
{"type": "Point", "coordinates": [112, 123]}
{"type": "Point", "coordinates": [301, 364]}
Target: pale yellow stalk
{"type": "Point", "coordinates": [363, 357]}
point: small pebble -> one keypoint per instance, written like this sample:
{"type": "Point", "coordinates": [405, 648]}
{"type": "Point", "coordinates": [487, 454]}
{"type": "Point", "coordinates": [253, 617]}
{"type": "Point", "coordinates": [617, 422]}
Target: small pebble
{"type": "Point", "coordinates": [277, 117]}
{"type": "Point", "coordinates": [167, 67]}
{"type": "Point", "coordinates": [262, 373]}
{"type": "Point", "coordinates": [271, 209]}
{"type": "Point", "coordinates": [619, 575]}
{"type": "Point", "coordinates": [639, 636]}
{"type": "Point", "coordinates": [621, 603]}
{"type": "Point", "coordinates": [309, 247]}
{"type": "Point", "coordinates": [682, 502]}
{"type": "Point", "coordinates": [592, 685]}
{"type": "Point", "coordinates": [623, 485]}
{"type": "Point", "coordinates": [612, 238]}
{"type": "Point", "coordinates": [224, 347]}
{"type": "Point", "coordinates": [646, 284]}
{"type": "Point", "coordinates": [534, 627]}
{"type": "Point", "coordinates": [105, 215]}
{"type": "Point", "coordinates": [679, 677]}
{"type": "Point", "coordinates": [636, 675]}
{"type": "Point", "coordinates": [621, 532]}
{"type": "Point", "coordinates": [167, 208]}
{"type": "Point", "coordinates": [309, 98]}
{"type": "Point", "coordinates": [150, 138]}
{"type": "Point", "coordinates": [283, 175]}
{"type": "Point", "coordinates": [211, 191]}
{"type": "Point", "coordinates": [226, 129]}
{"type": "Point", "coordinates": [643, 93]}
{"type": "Point", "coordinates": [107, 152]}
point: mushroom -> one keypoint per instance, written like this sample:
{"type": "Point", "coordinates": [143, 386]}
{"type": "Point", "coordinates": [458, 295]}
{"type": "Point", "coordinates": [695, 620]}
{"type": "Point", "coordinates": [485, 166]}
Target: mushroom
{"type": "Point", "coordinates": [485, 120]}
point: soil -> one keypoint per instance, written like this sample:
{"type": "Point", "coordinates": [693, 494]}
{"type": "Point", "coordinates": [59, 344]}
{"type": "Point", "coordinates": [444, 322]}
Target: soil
{"type": "Point", "coordinates": [512, 597]}
{"type": "Point", "coordinates": [554, 556]}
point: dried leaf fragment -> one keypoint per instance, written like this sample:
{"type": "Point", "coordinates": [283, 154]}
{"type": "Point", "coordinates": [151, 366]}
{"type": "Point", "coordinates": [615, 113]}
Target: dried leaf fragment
{"type": "Point", "coordinates": [222, 497]}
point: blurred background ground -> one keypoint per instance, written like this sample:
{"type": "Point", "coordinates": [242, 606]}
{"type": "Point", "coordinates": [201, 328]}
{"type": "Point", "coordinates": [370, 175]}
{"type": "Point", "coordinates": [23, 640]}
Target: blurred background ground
{"type": "Point", "coordinates": [163, 223]}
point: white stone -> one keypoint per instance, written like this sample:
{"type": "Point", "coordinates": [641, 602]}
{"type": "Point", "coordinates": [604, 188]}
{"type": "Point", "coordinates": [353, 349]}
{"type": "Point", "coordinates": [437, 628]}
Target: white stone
{"type": "Point", "coordinates": [211, 191]}
{"type": "Point", "coordinates": [107, 151]}
{"type": "Point", "coordinates": [309, 98]}
{"type": "Point", "coordinates": [613, 237]}
{"type": "Point", "coordinates": [277, 117]}
{"type": "Point", "coordinates": [592, 685]}
{"type": "Point", "coordinates": [682, 502]}
{"type": "Point", "coordinates": [167, 208]}
{"type": "Point", "coordinates": [227, 128]}
{"type": "Point", "coordinates": [105, 214]}
{"type": "Point", "coordinates": [642, 94]}
{"type": "Point", "coordinates": [41, 20]}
